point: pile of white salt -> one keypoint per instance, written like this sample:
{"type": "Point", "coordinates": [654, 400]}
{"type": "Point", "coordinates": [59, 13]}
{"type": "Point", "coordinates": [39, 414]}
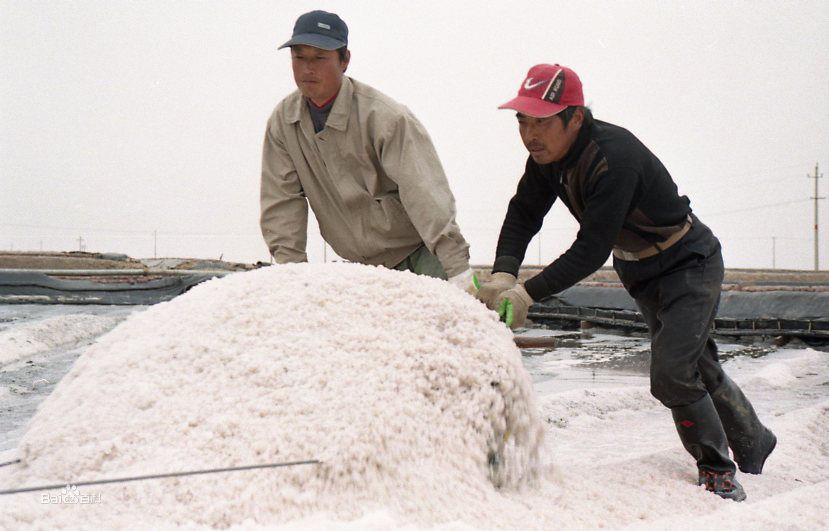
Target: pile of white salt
{"type": "Point", "coordinates": [408, 391]}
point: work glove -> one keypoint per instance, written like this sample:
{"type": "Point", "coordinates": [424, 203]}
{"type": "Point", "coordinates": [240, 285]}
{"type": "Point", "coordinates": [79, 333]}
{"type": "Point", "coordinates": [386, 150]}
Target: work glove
{"type": "Point", "coordinates": [466, 281]}
{"type": "Point", "coordinates": [513, 305]}
{"type": "Point", "coordinates": [498, 283]}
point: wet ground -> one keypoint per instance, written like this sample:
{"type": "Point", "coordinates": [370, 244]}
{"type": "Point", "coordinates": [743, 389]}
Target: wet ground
{"type": "Point", "coordinates": [582, 359]}
{"type": "Point", "coordinates": [26, 381]}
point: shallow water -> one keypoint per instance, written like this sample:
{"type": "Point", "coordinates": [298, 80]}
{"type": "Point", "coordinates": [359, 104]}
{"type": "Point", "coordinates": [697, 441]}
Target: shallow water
{"type": "Point", "coordinates": [27, 380]}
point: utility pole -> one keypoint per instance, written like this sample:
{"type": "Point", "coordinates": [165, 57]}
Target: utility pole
{"type": "Point", "coordinates": [81, 246]}
{"type": "Point", "coordinates": [774, 252]}
{"type": "Point", "coordinates": [816, 176]}
{"type": "Point", "coordinates": [539, 247]}
{"type": "Point", "coordinates": [155, 243]}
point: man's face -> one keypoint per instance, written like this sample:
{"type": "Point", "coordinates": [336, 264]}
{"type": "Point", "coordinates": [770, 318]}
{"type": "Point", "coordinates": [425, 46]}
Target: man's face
{"type": "Point", "coordinates": [547, 139]}
{"type": "Point", "coordinates": [318, 73]}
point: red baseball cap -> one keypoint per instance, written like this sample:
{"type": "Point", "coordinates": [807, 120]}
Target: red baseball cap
{"type": "Point", "coordinates": [547, 90]}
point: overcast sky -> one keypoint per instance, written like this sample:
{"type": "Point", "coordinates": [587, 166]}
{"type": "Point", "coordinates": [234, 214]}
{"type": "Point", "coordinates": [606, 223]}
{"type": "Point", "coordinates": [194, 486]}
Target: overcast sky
{"type": "Point", "coordinates": [118, 119]}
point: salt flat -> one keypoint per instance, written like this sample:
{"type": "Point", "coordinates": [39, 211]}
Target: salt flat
{"type": "Point", "coordinates": [610, 457]}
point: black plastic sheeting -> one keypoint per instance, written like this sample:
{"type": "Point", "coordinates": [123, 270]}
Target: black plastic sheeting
{"type": "Point", "coordinates": [778, 314]}
{"type": "Point", "coordinates": [37, 288]}
{"type": "Point", "coordinates": [807, 305]}
{"type": "Point", "coordinates": [32, 288]}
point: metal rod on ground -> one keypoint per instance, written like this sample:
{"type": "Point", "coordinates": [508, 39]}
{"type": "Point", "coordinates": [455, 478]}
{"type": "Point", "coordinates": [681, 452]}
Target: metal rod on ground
{"type": "Point", "coordinates": [156, 476]}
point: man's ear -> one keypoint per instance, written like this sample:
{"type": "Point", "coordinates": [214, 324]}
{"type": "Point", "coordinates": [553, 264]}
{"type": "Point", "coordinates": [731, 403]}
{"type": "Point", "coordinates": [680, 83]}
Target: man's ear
{"type": "Point", "coordinates": [578, 117]}
{"type": "Point", "coordinates": [346, 61]}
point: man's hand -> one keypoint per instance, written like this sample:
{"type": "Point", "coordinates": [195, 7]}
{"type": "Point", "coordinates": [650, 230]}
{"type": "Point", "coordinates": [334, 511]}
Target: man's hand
{"type": "Point", "coordinates": [513, 305]}
{"type": "Point", "coordinates": [498, 283]}
{"type": "Point", "coordinates": [466, 281]}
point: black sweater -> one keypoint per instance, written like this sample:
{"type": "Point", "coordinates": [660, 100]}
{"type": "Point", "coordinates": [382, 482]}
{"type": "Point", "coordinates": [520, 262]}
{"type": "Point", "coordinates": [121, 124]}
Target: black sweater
{"type": "Point", "coordinates": [618, 190]}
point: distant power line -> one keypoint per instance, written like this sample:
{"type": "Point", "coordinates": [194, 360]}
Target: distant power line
{"type": "Point", "coordinates": [758, 207]}
{"type": "Point", "coordinates": [729, 177]}
{"type": "Point", "coordinates": [766, 238]}
{"type": "Point", "coordinates": [148, 232]}
{"type": "Point", "coordinates": [64, 227]}
{"type": "Point", "coordinates": [726, 183]}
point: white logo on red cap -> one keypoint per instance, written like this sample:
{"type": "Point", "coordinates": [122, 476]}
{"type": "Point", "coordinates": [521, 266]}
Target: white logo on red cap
{"type": "Point", "coordinates": [552, 93]}
{"type": "Point", "coordinates": [528, 85]}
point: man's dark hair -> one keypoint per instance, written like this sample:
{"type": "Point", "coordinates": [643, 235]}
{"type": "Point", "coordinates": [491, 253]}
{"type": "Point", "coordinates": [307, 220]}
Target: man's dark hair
{"type": "Point", "coordinates": [568, 113]}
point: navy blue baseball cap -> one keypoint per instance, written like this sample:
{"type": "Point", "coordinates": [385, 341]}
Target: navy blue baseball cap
{"type": "Point", "coordinates": [319, 29]}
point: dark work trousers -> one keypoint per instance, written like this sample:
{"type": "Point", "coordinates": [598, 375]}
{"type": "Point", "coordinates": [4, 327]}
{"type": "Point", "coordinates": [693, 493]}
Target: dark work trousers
{"type": "Point", "coordinates": [677, 292]}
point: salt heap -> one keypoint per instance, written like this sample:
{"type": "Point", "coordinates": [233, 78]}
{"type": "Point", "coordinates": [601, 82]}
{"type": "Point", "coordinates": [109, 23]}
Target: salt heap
{"type": "Point", "coordinates": [410, 393]}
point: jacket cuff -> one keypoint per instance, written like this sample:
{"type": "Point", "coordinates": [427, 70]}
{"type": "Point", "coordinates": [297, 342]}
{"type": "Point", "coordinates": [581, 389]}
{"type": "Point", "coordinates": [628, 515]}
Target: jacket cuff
{"type": "Point", "coordinates": [453, 255]}
{"type": "Point", "coordinates": [506, 264]}
{"type": "Point", "coordinates": [537, 288]}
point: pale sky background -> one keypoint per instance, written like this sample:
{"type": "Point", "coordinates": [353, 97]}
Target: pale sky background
{"type": "Point", "coordinates": [118, 119]}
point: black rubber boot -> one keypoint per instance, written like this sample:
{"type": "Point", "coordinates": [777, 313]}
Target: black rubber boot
{"type": "Point", "coordinates": [722, 484]}
{"type": "Point", "coordinates": [702, 434]}
{"type": "Point", "coordinates": [750, 441]}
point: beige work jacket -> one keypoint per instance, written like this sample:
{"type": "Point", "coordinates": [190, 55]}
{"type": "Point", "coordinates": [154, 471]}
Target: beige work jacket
{"type": "Point", "coordinates": [371, 176]}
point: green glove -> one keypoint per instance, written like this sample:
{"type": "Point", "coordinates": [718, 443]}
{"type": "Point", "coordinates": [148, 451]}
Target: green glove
{"type": "Point", "coordinates": [497, 284]}
{"type": "Point", "coordinates": [513, 305]}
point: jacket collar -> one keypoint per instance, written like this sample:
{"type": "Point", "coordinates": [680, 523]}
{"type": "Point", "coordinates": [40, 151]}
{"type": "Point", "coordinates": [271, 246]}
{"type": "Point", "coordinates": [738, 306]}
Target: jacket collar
{"type": "Point", "coordinates": [337, 118]}
{"type": "Point", "coordinates": [581, 142]}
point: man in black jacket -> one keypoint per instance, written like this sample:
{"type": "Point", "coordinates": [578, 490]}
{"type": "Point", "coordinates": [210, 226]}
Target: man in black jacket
{"type": "Point", "coordinates": [670, 262]}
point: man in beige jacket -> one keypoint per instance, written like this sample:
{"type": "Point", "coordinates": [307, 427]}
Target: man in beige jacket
{"type": "Point", "coordinates": [363, 162]}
